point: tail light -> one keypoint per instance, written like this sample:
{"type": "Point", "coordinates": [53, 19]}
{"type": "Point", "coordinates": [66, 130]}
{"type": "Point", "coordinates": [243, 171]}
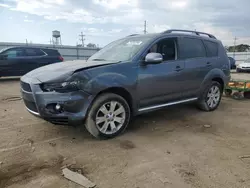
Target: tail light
{"type": "Point", "coordinates": [61, 58]}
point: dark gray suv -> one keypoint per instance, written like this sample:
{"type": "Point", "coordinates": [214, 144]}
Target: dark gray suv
{"type": "Point", "coordinates": [130, 76]}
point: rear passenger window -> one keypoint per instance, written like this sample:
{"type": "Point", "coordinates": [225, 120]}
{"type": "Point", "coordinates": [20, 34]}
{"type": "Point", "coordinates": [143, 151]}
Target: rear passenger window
{"type": "Point", "coordinates": [212, 48]}
{"type": "Point", "coordinates": [34, 52]}
{"type": "Point", "coordinates": [191, 48]}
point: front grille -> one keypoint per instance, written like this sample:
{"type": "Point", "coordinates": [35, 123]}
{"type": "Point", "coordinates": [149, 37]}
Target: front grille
{"type": "Point", "coordinates": [30, 105]}
{"type": "Point", "coordinates": [25, 86]}
{"type": "Point", "coordinates": [245, 67]}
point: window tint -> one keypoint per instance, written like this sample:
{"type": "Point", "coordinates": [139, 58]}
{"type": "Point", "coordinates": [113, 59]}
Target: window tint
{"type": "Point", "coordinates": [166, 48]}
{"type": "Point", "coordinates": [14, 53]}
{"type": "Point", "coordinates": [33, 52]}
{"type": "Point", "coordinates": [191, 48]}
{"type": "Point", "coordinates": [212, 48]}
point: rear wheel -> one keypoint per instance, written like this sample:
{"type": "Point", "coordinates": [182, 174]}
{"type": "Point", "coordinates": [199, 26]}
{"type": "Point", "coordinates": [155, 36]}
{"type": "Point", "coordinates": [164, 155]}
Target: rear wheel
{"type": "Point", "coordinates": [108, 116]}
{"type": "Point", "coordinates": [211, 97]}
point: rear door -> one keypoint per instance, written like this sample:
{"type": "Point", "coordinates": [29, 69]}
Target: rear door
{"type": "Point", "coordinates": [11, 62]}
{"type": "Point", "coordinates": [35, 58]}
{"type": "Point", "coordinates": [197, 64]}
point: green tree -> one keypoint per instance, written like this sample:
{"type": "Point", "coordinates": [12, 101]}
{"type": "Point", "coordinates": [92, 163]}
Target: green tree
{"type": "Point", "coordinates": [238, 48]}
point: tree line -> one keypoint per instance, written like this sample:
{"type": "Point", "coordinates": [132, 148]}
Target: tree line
{"type": "Point", "coordinates": [238, 48]}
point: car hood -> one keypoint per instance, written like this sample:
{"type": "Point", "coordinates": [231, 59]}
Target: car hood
{"type": "Point", "coordinates": [244, 64]}
{"type": "Point", "coordinates": [61, 70]}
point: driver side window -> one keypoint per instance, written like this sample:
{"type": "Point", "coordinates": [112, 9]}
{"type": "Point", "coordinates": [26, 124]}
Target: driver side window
{"type": "Point", "coordinates": [13, 53]}
{"type": "Point", "coordinates": [167, 48]}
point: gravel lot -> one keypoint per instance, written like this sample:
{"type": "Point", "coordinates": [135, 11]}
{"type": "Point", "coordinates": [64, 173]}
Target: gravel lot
{"type": "Point", "coordinates": [179, 147]}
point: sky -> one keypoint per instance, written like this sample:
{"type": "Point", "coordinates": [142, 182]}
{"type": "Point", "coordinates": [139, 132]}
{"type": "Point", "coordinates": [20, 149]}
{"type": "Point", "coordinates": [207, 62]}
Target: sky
{"type": "Point", "coordinates": [103, 21]}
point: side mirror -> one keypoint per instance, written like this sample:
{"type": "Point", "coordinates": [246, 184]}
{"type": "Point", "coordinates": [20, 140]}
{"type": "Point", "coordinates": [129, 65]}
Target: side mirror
{"type": "Point", "coordinates": [153, 58]}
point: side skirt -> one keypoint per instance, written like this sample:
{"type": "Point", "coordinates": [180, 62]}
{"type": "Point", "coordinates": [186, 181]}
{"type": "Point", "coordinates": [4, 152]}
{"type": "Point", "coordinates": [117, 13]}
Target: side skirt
{"type": "Point", "coordinates": [166, 104]}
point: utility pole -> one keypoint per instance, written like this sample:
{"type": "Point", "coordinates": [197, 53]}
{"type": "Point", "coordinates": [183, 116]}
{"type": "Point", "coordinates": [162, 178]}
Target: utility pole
{"type": "Point", "coordinates": [235, 39]}
{"type": "Point", "coordinates": [145, 27]}
{"type": "Point", "coordinates": [82, 39]}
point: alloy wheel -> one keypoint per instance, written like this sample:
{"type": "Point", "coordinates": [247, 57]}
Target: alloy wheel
{"type": "Point", "coordinates": [110, 117]}
{"type": "Point", "coordinates": [213, 96]}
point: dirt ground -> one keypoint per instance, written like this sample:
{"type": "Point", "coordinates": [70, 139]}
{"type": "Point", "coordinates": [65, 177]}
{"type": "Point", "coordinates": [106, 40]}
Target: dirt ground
{"type": "Point", "coordinates": [169, 148]}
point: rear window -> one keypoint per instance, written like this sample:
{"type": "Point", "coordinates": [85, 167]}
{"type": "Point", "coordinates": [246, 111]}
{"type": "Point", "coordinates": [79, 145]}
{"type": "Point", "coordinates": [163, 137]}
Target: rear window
{"type": "Point", "coordinates": [34, 52]}
{"type": "Point", "coordinates": [52, 52]}
{"type": "Point", "coordinates": [212, 48]}
{"type": "Point", "coordinates": [191, 48]}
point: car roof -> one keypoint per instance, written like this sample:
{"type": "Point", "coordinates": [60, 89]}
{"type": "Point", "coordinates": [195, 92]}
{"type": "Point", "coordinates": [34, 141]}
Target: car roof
{"type": "Point", "coordinates": [24, 47]}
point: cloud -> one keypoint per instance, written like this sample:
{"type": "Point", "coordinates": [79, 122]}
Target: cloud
{"type": "Point", "coordinates": [4, 5]}
{"type": "Point", "coordinates": [100, 32]}
{"type": "Point", "coordinates": [114, 4]}
{"type": "Point", "coordinates": [224, 20]}
{"type": "Point", "coordinates": [30, 21]}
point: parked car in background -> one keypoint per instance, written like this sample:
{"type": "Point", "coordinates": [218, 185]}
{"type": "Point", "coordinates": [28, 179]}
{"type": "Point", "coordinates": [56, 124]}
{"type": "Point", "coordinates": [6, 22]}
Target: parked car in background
{"type": "Point", "coordinates": [232, 63]}
{"type": "Point", "coordinates": [243, 67]}
{"type": "Point", "coordinates": [17, 61]}
{"type": "Point", "coordinates": [130, 76]}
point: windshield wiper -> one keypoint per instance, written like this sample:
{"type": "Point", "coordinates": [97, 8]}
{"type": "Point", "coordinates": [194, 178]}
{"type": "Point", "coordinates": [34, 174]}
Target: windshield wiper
{"type": "Point", "coordinates": [99, 60]}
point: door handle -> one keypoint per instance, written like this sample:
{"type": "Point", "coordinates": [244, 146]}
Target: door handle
{"type": "Point", "coordinates": [209, 64]}
{"type": "Point", "coordinates": [178, 68]}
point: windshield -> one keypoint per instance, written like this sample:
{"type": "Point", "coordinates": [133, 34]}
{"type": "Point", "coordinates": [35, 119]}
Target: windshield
{"type": "Point", "coordinates": [3, 50]}
{"type": "Point", "coordinates": [121, 50]}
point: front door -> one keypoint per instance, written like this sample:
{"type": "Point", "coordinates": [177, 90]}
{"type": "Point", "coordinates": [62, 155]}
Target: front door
{"type": "Point", "coordinates": [11, 62]}
{"type": "Point", "coordinates": [163, 82]}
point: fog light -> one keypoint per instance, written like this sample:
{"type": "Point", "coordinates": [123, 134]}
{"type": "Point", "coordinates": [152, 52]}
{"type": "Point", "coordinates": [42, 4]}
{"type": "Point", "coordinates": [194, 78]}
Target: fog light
{"type": "Point", "coordinates": [58, 107]}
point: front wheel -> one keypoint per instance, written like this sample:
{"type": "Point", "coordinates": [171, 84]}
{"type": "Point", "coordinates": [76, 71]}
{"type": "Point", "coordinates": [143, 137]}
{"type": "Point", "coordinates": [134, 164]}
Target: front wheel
{"type": "Point", "coordinates": [108, 117]}
{"type": "Point", "coordinates": [211, 97]}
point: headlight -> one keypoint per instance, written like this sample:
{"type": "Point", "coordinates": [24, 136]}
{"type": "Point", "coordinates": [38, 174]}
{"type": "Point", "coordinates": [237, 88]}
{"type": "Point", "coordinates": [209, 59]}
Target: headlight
{"type": "Point", "coordinates": [72, 84]}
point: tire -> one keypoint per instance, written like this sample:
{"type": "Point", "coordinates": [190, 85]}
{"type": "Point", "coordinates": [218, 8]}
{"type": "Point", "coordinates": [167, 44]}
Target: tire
{"type": "Point", "coordinates": [103, 129]}
{"type": "Point", "coordinates": [204, 103]}
{"type": "Point", "coordinates": [238, 70]}
{"type": "Point", "coordinates": [246, 94]}
{"type": "Point", "coordinates": [228, 92]}
{"type": "Point", "coordinates": [238, 95]}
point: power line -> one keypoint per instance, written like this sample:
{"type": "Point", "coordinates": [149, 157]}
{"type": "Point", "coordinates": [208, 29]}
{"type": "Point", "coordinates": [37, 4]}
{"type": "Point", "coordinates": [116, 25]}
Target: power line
{"type": "Point", "coordinates": [82, 39]}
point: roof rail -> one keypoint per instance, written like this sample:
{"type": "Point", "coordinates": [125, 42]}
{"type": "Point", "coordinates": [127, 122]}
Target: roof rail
{"type": "Point", "coordinates": [189, 31]}
{"type": "Point", "coordinates": [132, 35]}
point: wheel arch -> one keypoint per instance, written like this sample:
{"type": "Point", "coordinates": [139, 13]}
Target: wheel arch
{"type": "Point", "coordinates": [219, 80]}
{"type": "Point", "coordinates": [121, 92]}
{"type": "Point", "coordinates": [214, 75]}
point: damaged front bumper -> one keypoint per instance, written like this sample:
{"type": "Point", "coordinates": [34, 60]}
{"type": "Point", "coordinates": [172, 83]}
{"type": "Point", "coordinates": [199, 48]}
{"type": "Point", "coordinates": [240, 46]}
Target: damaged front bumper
{"type": "Point", "coordinates": [58, 108]}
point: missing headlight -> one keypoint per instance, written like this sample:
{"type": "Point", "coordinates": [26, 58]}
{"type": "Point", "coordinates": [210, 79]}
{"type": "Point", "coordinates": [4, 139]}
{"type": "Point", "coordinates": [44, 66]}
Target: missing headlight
{"type": "Point", "coordinates": [61, 87]}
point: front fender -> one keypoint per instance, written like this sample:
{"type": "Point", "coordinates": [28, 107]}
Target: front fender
{"type": "Point", "coordinates": [107, 80]}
